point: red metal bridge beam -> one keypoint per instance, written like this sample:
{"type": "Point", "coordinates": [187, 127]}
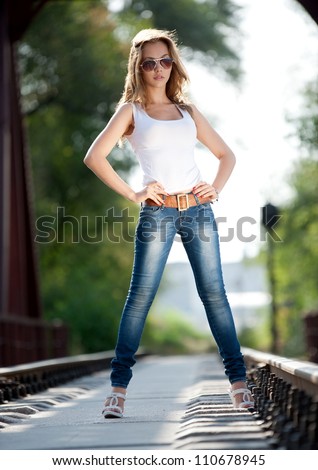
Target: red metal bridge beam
{"type": "Point", "coordinates": [19, 287]}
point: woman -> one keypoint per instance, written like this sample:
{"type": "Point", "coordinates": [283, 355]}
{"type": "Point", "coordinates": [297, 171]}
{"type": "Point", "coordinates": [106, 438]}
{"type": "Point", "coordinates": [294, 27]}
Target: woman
{"type": "Point", "coordinates": [162, 128]}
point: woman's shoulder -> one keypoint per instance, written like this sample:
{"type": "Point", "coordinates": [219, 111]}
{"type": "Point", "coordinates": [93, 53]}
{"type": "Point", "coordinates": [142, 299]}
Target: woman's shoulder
{"type": "Point", "coordinates": [123, 114]}
{"type": "Point", "coordinates": [190, 108]}
{"type": "Point", "coordinates": [126, 107]}
{"type": "Point", "coordinates": [124, 111]}
{"type": "Point", "coordinates": [195, 112]}
{"type": "Point", "coordinates": [129, 107]}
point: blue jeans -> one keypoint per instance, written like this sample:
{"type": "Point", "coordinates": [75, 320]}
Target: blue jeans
{"type": "Point", "coordinates": [155, 232]}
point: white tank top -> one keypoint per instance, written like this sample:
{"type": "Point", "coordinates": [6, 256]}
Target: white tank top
{"type": "Point", "coordinates": [165, 150]}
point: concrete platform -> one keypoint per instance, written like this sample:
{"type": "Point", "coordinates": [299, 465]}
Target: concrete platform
{"type": "Point", "coordinates": [177, 402]}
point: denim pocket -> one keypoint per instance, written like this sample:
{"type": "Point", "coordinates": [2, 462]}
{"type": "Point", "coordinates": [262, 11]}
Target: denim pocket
{"type": "Point", "coordinates": [205, 212]}
{"type": "Point", "coordinates": [149, 209]}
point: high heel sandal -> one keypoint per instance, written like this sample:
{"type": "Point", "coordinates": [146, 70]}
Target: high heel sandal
{"type": "Point", "coordinates": [113, 410]}
{"type": "Point", "coordinates": [246, 404]}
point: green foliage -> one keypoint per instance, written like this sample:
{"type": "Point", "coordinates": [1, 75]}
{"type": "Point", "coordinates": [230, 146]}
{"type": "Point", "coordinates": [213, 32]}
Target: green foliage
{"type": "Point", "coordinates": [85, 284]}
{"type": "Point", "coordinates": [296, 259]}
{"type": "Point", "coordinates": [257, 337]}
{"type": "Point", "coordinates": [169, 333]}
{"type": "Point", "coordinates": [72, 76]}
{"type": "Point", "coordinates": [78, 63]}
{"type": "Point", "coordinates": [72, 64]}
{"type": "Point", "coordinates": [307, 123]}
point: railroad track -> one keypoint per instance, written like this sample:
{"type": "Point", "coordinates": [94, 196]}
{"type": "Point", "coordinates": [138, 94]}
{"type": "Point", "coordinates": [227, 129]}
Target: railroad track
{"type": "Point", "coordinates": [285, 390]}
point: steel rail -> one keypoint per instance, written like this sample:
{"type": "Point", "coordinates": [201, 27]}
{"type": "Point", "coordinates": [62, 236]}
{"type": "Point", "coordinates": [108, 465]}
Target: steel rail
{"type": "Point", "coordinates": [300, 374]}
{"type": "Point", "coordinates": [286, 398]}
{"type": "Point", "coordinates": [21, 380]}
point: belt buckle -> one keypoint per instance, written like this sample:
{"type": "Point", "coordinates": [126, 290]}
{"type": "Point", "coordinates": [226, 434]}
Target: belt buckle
{"type": "Point", "coordinates": [179, 196]}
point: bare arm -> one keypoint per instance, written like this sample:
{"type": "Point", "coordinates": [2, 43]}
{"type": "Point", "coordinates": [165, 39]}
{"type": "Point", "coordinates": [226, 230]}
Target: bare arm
{"type": "Point", "coordinates": [212, 140]}
{"type": "Point", "coordinates": [96, 158]}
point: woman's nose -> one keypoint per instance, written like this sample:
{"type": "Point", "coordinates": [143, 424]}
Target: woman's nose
{"type": "Point", "coordinates": [158, 65]}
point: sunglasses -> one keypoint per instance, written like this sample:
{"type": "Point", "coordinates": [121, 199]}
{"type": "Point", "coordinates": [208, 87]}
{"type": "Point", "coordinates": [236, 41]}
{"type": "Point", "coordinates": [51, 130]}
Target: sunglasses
{"type": "Point", "coordinates": [149, 65]}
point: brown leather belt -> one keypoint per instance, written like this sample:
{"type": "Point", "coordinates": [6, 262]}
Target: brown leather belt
{"type": "Point", "coordinates": [180, 201]}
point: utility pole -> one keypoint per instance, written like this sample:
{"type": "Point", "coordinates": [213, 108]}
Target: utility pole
{"type": "Point", "coordinates": [270, 217]}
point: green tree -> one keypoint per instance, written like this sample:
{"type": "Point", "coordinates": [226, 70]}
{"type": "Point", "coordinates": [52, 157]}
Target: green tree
{"type": "Point", "coordinates": [297, 256]}
{"type": "Point", "coordinates": [72, 76]}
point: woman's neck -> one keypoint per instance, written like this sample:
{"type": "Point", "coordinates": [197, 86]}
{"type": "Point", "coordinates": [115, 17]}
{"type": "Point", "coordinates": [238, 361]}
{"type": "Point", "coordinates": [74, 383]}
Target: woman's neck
{"type": "Point", "coordinates": [157, 97]}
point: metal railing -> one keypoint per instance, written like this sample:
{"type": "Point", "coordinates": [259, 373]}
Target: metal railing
{"type": "Point", "coordinates": [22, 380]}
{"type": "Point", "coordinates": [286, 398]}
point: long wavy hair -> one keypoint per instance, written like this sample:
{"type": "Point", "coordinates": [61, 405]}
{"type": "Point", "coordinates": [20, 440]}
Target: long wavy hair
{"type": "Point", "coordinates": [135, 89]}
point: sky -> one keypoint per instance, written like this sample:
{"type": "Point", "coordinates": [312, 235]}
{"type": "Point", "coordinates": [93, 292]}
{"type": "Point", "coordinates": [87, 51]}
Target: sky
{"type": "Point", "coordinates": [279, 56]}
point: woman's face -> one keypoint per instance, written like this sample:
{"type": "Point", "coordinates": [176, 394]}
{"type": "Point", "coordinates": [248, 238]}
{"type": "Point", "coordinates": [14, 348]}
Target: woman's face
{"type": "Point", "coordinates": [159, 76]}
